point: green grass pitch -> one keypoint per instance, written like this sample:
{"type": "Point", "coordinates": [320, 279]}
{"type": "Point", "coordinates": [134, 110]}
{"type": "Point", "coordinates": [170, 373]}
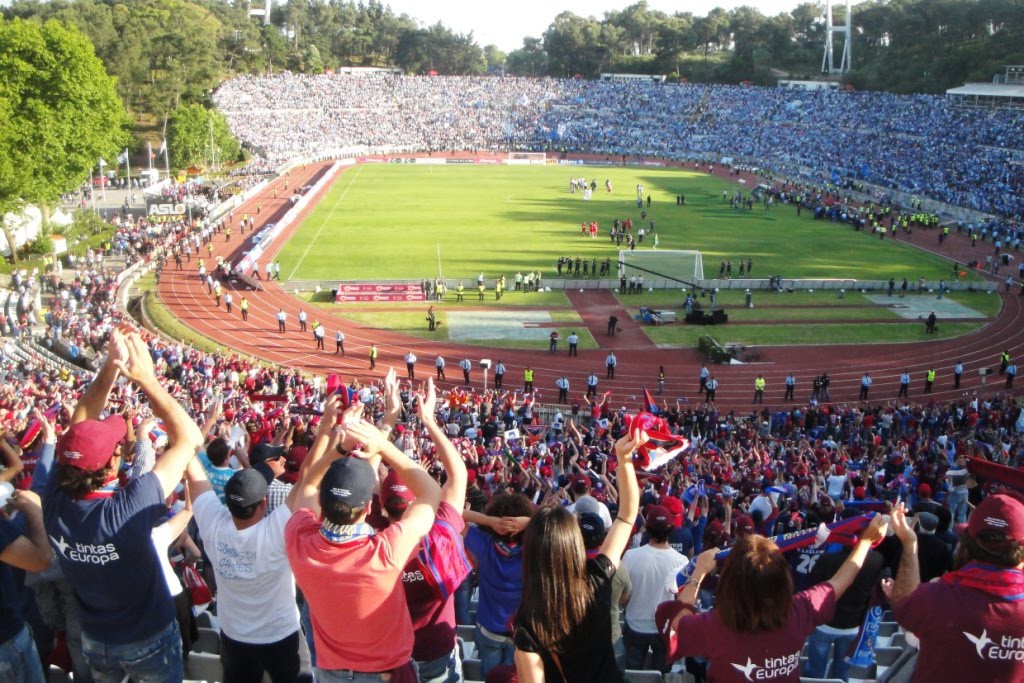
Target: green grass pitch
{"type": "Point", "coordinates": [387, 221]}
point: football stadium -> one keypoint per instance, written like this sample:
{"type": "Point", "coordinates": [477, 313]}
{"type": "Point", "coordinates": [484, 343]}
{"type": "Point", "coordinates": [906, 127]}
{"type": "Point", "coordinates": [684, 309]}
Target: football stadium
{"type": "Point", "coordinates": [339, 346]}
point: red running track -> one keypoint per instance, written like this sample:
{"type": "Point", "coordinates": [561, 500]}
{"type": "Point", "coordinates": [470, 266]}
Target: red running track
{"type": "Point", "coordinates": [638, 360]}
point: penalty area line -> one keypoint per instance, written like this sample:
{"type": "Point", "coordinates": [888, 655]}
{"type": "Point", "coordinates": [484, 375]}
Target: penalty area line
{"type": "Point", "coordinates": [324, 222]}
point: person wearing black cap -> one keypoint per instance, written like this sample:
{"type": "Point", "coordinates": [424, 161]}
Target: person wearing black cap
{"type": "Point", "coordinates": [934, 556]}
{"type": "Point", "coordinates": [269, 460]}
{"type": "Point", "coordinates": [257, 614]}
{"type": "Point", "coordinates": [102, 533]}
{"type": "Point", "coordinates": [333, 552]}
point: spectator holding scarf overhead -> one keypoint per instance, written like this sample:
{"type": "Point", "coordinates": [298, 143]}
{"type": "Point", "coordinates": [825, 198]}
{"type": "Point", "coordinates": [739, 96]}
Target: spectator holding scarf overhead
{"type": "Point", "coordinates": [563, 627]}
{"type": "Point", "coordinates": [759, 626]}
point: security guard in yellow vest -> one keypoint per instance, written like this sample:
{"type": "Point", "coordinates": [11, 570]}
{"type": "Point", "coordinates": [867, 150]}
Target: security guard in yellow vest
{"type": "Point", "coordinates": [459, 291]}
{"type": "Point", "coordinates": [244, 307]}
{"type": "Point", "coordinates": [1004, 360]}
{"type": "Point", "coordinates": [929, 379]}
{"type": "Point", "coordinates": [759, 389]}
{"type": "Point", "coordinates": [527, 381]}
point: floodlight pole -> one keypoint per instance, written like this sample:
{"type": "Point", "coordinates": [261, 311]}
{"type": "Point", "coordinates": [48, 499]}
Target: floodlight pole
{"type": "Point", "coordinates": [827, 62]}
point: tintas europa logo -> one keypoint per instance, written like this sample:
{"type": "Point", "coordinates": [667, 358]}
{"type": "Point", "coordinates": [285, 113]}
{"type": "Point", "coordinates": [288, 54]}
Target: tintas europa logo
{"type": "Point", "coordinates": [1007, 648]}
{"type": "Point", "coordinates": [85, 553]}
{"type": "Point", "coordinates": [770, 668]}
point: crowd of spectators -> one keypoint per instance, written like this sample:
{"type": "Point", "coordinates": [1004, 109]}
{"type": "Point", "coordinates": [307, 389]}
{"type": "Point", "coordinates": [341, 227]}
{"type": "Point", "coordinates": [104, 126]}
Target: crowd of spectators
{"type": "Point", "coordinates": [344, 528]}
{"type": "Point", "coordinates": [920, 144]}
{"type": "Point", "coordinates": [280, 487]}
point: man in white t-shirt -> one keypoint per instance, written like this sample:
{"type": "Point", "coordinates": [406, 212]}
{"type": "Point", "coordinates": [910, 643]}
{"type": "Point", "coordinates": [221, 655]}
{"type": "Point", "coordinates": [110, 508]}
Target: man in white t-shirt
{"type": "Point", "coordinates": [410, 364]}
{"type": "Point", "coordinates": [836, 483]}
{"type": "Point", "coordinates": [650, 567]}
{"type": "Point", "coordinates": [259, 620]}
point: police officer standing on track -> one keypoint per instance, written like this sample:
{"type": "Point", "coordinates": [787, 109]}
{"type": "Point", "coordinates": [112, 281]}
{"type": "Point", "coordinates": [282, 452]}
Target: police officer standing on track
{"type": "Point", "coordinates": [711, 387]}
{"type": "Point", "coordinates": [563, 388]}
{"type": "Point", "coordinates": [499, 375]}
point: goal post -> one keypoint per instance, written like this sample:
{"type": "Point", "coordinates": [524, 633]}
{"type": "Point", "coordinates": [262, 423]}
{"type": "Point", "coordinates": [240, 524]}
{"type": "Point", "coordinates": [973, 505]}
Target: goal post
{"type": "Point", "coordinates": [662, 268]}
{"type": "Point", "coordinates": [527, 158]}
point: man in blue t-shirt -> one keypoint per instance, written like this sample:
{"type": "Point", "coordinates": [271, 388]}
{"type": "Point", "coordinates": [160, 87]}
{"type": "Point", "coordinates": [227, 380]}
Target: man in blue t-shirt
{"type": "Point", "coordinates": [101, 532]}
{"type": "Point", "coordinates": [20, 552]}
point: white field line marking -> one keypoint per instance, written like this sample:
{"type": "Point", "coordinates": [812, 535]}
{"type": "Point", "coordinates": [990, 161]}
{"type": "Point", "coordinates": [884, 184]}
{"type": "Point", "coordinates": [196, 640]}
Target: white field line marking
{"type": "Point", "coordinates": [325, 221]}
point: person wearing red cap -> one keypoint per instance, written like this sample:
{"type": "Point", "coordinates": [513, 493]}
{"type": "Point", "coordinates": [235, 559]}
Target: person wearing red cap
{"type": "Point", "coordinates": [649, 567]}
{"type": "Point", "coordinates": [439, 567]}
{"type": "Point", "coordinates": [969, 620]}
{"type": "Point", "coordinates": [102, 533]}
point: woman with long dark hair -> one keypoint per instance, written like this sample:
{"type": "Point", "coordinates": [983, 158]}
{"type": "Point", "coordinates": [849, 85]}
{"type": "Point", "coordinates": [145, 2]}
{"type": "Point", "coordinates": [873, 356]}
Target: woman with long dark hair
{"type": "Point", "coordinates": [563, 627]}
{"type": "Point", "coordinates": [758, 624]}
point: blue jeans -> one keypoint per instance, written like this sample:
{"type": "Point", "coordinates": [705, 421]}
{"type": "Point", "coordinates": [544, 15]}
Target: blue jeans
{"type": "Point", "coordinates": [463, 598]}
{"type": "Point", "coordinates": [444, 669]}
{"type": "Point", "coordinates": [492, 652]}
{"type": "Point", "coordinates": [346, 676]}
{"type": "Point", "coordinates": [19, 660]}
{"type": "Point", "coordinates": [157, 659]}
{"type": "Point", "coordinates": [820, 651]}
{"type": "Point", "coordinates": [306, 622]}
{"type": "Point", "coordinates": [958, 504]}
{"type": "Point", "coordinates": [637, 645]}
{"type": "Point", "coordinates": [620, 653]}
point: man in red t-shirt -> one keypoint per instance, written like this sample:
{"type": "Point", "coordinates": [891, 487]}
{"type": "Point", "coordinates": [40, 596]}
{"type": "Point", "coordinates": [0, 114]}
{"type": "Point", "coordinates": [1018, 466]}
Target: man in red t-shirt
{"type": "Point", "coordinates": [338, 560]}
{"type": "Point", "coordinates": [969, 620]}
{"type": "Point", "coordinates": [431, 577]}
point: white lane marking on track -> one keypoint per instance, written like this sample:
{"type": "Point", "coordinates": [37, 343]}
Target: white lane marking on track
{"type": "Point", "coordinates": [325, 221]}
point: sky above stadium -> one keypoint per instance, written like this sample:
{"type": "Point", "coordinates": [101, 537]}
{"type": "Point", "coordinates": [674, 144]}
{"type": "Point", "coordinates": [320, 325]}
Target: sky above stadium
{"type": "Point", "coordinates": [506, 24]}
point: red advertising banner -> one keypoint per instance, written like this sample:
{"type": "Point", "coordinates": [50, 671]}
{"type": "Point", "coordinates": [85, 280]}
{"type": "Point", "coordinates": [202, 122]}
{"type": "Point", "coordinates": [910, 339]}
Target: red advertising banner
{"type": "Point", "coordinates": [379, 292]}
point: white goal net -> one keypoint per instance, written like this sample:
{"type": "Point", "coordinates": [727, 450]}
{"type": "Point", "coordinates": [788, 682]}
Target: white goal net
{"type": "Point", "coordinates": [527, 158]}
{"type": "Point", "coordinates": [662, 268]}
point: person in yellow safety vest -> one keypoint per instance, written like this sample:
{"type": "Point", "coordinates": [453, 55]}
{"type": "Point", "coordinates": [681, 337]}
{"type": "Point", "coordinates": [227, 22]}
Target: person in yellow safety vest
{"type": "Point", "coordinates": [929, 379]}
{"type": "Point", "coordinates": [216, 292]}
{"type": "Point", "coordinates": [244, 307]}
{"type": "Point", "coordinates": [459, 291]}
{"type": "Point", "coordinates": [759, 389]}
{"type": "Point", "coordinates": [527, 381]}
{"type": "Point", "coordinates": [480, 289]}
{"type": "Point", "coordinates": [881, 232]}
{"type": "Point", "coordinates": [373, 356]}
{"type": "Point", "coordinates": [1004, 360]}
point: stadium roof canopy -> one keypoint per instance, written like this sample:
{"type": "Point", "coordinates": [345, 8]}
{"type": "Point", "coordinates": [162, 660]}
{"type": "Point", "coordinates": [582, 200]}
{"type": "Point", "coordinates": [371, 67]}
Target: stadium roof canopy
{"type": "Point", "coordinates": [989, 94]}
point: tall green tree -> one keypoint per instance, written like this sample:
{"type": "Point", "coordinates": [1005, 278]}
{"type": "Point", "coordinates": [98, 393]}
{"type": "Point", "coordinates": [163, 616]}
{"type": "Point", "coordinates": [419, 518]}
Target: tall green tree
{"type": "Point", "coordinates": [190, 134]}
{"type": "Point", "coordinates": [529, 60]}
{"type": "Point", "coordinates": [59, 112]}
